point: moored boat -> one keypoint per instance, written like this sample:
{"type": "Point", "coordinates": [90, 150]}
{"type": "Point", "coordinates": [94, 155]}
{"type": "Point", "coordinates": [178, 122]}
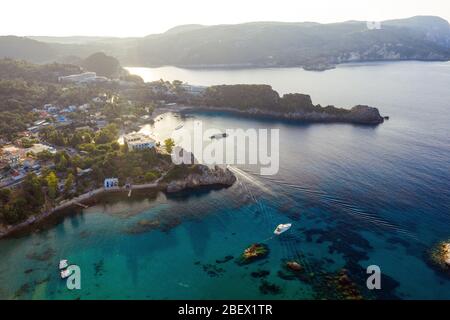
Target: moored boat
{"type": "Point", "coordinates": [218, 136]}
{"type": "Point", "coordinates": [282, 228]}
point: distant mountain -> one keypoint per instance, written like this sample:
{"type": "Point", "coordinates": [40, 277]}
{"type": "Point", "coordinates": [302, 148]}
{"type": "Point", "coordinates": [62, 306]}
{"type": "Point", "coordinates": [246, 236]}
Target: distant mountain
{"type": "Point", "coordinates": [71, 40]}
{"type": "Point", "coordinates": [311, 45]}
{"type": "Point", "coordinates": [184, 28]}
{"type": "Point", "coordinates": [26, 49]}
{"type": "Point", "coordinates": [431, 28]}
{"type": "Point", "coordinates": [257, 44]}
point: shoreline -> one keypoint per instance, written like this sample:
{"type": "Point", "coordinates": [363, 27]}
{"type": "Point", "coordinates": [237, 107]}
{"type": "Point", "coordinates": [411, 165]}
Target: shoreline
{"type": "Point", "coordinates": [207, 178]}
{"type": "Point", "coordinates": [312, 118]}
{"type": "Point", "coordinates": [9, 230]}
{"type": "Point", "coordinates": [311, 68]}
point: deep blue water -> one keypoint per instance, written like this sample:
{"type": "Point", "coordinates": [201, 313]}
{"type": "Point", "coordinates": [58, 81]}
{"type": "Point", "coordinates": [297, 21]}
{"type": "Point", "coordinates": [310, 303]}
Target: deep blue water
{"type": "Point", "coordinates": [356, 196]}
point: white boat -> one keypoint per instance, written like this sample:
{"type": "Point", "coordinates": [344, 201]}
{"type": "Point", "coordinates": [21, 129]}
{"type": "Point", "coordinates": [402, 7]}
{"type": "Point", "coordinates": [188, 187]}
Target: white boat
{"type": "Point", "coordinates": [63, 264]}
{"type": "Point", "coordinates": [179, 127]}
{"type": "Point", "coordinates": [282, 228]}
{"type": "Point", "coordinates": [65, 273]}
{"type": "Point", "coordinates": [219, 136]}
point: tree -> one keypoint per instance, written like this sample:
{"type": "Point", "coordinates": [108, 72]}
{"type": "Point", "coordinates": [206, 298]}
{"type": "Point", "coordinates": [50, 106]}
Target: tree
{"type": "Point", "coordinates": [17, 211]}
{"type": "Point", "coordinates": [69, 183]}
{"type": "Point", "coordinates": [5, 195]}
{"type": "Point", "coordinates": [52, 184]}
{"type": "Point", "coordinates": [45, 155]}
{"type": "Point", "coordinates": [32, 190]}
{"type": "Point", "coordinates": [62, 163]}
{"type": "Point", "coordinates": [107, 134]}
{"type": "Point", "coordinates": [151, 175]}
{"type": "Point", "coordinates": [115, 146]}
{"type": "Point", "coordinates": [169, 144]}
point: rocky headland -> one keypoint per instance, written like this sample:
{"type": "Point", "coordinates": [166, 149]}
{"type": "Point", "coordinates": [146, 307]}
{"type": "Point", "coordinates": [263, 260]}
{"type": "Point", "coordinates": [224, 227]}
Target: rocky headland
{"type": "Point", "coordinates": [360, 114]}
{"type": "Point", "coordinates": [264, 102]}
{"type": "Point", "coordinates": [187, 177]}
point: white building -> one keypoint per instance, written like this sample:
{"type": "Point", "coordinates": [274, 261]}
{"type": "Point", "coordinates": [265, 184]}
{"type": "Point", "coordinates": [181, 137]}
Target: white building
{"type": "Point", "coordinates": [111, 183]}
{"type": "Point", "coordinates": [78, 77]}
{"type": "Point", "coordinates": [138, 141]}
{"type": "Point", "coordinates": [85, 77]}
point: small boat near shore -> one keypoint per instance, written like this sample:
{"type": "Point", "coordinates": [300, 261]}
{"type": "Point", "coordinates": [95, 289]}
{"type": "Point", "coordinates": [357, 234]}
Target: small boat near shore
{"type": "Point", "coordinates": [179, 127]}
{"type": "Point", "coordinates": [63, 264]}
{"type": "Point", "coordinates": [64, 272]}
{"type": "Point", "coordinates": [218, 136]}
{"type": "Point", "coordinates": [282, 228]}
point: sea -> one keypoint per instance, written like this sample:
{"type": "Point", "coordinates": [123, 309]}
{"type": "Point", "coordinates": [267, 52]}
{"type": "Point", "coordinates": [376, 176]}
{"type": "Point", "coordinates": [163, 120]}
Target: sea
{"type": "Point", "coordinates": [356, 196]}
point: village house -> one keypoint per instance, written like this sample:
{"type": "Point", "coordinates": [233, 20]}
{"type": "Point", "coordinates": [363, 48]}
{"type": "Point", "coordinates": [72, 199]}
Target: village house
{"type": "Point", "coordinates": [111, 183]}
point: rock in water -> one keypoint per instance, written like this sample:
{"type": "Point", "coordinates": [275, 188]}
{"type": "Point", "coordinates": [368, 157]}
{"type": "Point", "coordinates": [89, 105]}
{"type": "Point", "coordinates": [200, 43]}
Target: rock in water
{"type": "Point", "coordinates": [294, 266]}
{"type": "Point", "coordinates": [440, 256]}
{"type": "Point", "coordinates": [365, 115]}
{"type": "Point", "coordinates": [255, 252]}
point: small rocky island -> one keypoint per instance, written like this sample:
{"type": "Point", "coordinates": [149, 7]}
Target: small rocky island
{"type": "Point", "coordinates": [263, 101]}
{"type": "Point", "coordinates": [440, 256]}
{"type": "Point", "coordinates": [253, 253]}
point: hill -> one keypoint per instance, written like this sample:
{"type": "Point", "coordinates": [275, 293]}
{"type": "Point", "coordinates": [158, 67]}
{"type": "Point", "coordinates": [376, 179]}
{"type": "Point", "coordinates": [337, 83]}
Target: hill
{"type": "Point", "coordinates": [311, 45]}
{"type": "Point", "coordinates": [256, 44]}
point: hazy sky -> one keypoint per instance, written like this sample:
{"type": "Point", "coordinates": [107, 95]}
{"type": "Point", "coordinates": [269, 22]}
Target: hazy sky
{"type": "Point", "coordinates": [123, 18]}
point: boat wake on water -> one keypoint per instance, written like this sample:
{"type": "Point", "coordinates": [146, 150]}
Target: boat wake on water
{"type": "Point", "coordinates": [248, 177]}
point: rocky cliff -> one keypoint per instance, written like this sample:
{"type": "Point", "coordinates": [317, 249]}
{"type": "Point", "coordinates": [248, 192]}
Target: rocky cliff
{"type": "Point", "coordinates": [200, 175]}
{"type": "Point", "coordinates": [361, 114]}
{"type": "Point", "coordinates": [262, 100]}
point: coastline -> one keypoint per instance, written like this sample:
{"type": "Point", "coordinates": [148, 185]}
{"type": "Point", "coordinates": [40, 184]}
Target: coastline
{"type": "Point", "coordinates": [65, 205]}
{"type": "Point", "coordinates": [373, 119]}
{"type": "Point", "coordinates": [318, 67]}
{"type": "Point", "coordinates": [208, 177]}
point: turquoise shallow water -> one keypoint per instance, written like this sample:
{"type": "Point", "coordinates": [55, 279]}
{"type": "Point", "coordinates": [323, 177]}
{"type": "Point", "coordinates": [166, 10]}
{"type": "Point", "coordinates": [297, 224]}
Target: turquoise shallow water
{"type": "Point", "coordinates": [356, 196]}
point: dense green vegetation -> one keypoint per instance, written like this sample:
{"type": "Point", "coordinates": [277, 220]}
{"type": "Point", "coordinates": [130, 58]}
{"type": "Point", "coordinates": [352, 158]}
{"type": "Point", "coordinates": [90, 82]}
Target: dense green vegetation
{"type": "Point", "coordinates": [99, 152]}
{"type": "Point", "coordinates": [18, 69]}
{"type": "Point", "coordinates": [181, 171]}
{"type": "Point", "coordinates": [102, 64]}
{"type": "Point", "coordinates": [18, 205]}
{"type": "Point", "coordinates": [262, 97]}
{"type": "Point", "coordinates": [24, 86]}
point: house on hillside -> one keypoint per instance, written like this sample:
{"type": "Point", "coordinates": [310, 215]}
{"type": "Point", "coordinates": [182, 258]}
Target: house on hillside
{"type": "Point", "coordinates": [111, 183]}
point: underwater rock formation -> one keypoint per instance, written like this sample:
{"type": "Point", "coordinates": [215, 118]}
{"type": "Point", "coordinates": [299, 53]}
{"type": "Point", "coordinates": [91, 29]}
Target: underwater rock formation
{"type": "Point", "coordinates": [143, 226]}
{"type": "Point", "coordinates": [43, 256]}
{"type": "Point", "coordinates": [346, 287]}
{"type": "Point", "coordinates": [260, 273]}
{"type": "Point", "coordinates": [225, 259]}
{"type": "Point", "coordinates": [269, 288]}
